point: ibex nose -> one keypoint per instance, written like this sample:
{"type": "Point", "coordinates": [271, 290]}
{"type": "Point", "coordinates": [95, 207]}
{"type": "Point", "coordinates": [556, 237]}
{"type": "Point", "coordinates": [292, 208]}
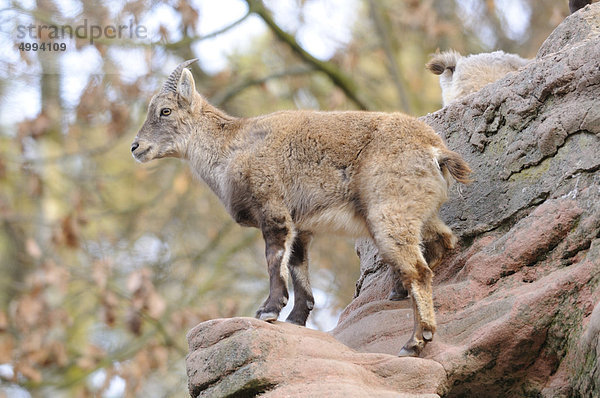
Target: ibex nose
{"type": "Point", "coordinates": [134, 146]}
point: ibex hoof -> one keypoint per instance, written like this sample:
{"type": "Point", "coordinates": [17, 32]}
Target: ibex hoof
{"type": "Point", "coordinates": [412, 348]}
{"type": "Point", "coordinates": [427, 335]}
{"type": "Point", "coordinates": [409, 352]}
{"type": "Point", "coordinates": [269, 316]}
{"type": "Point", "coordinates": [395, 296]}
{"type": "Point", "coordinates": [295, 321]}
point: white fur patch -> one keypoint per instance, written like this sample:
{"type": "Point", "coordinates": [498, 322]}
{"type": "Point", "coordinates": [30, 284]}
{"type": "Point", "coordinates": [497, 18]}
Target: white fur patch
{"type": "Point", "coordinates": [340, 220]}
{"type": "Point", "coordinates": [285, 259]}
{"type": "Point", "coordinates": [436, 155]}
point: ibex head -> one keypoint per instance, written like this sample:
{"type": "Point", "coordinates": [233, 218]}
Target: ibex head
{"type": "Point", "coordinates": [167, 129]}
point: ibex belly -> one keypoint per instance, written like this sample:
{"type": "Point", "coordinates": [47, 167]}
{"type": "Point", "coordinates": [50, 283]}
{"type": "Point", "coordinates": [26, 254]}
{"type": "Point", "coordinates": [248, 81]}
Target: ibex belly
{"type": "Point", "coordinates": [340, 219]}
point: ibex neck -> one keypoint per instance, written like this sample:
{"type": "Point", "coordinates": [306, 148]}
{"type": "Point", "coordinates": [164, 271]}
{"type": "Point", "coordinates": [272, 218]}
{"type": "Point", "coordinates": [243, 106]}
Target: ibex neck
{"type": "Point", "coordinates": [208, 152]}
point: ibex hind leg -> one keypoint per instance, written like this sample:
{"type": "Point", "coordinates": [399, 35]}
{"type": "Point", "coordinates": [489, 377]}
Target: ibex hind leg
{"type": "Point", "coordinates": [396, 232]}
{"type": "Point", "coordinates": [399, 292]}
{"type": "Point", "coordinates": [437, 240]}
{"type": "Point", "coordinates": [298, 266]}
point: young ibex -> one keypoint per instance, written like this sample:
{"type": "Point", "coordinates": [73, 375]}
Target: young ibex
{"type": "Point", "coordinates": [293, 174]}
{"type": "Point", "coordinates": [460, 75]}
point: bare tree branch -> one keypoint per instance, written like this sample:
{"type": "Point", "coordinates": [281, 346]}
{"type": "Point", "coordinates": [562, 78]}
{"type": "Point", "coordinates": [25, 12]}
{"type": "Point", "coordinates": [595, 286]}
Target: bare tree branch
{"type": "Point", "coordinates": [337, 76]}
{"type": "Point", "coordinates": [188, 40]}
{"type": "Point", "coordinates": [225, 95]}
{"type": "Point", "coordinates": [386, 44]}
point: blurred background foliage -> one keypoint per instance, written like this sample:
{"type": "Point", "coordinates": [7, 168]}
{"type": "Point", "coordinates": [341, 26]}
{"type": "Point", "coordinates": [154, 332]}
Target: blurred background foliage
{"type": "Point", "coordinates": [105, 263]}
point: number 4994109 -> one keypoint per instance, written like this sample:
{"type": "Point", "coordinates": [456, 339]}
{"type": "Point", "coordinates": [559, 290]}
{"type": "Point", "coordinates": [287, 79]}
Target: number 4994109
{"type": "Point", "coordinates": [43, 46]}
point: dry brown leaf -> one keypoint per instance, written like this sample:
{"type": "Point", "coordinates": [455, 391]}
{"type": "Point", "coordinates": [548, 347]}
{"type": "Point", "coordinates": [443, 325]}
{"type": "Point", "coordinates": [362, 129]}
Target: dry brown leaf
{"type": "Point", "coordinates": [155, 304]}
{"type": "Point", "coordinates": [7, 347]}
{"type": "Point", "coordinates": [30, 310]}
{"type": "Point", "coordinates": [134, 321]}
{"type": "Point", "coordinates": [28, 372]}
{"type": "Point", "coordinates": [109, 307]}
{"type": "Point", "coordinates": [32, 248]}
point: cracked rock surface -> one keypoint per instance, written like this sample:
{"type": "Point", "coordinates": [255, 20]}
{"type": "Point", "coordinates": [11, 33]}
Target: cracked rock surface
{"type": "Point", "coordinates": [518, 301]}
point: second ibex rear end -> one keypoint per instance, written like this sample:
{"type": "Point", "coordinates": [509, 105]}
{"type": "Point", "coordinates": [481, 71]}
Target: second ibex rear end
{"type": "Point", "coordinates": [294, 174]}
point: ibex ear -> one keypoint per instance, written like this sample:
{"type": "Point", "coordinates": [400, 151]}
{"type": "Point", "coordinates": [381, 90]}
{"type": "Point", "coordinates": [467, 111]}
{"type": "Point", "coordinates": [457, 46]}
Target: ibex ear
{"type": "Point", "coordinates": [186, 86]}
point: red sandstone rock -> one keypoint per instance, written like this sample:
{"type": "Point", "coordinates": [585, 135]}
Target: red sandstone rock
{"type": "Point", "coordinates": [246, 356]}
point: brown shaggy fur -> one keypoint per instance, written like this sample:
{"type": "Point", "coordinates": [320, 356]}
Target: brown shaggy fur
{"type": "Point", "coordinates": [293, 174]}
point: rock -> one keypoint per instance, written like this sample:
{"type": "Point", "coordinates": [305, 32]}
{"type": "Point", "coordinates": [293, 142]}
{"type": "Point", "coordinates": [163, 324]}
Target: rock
{"type": "Point", "coordinates": [517, 302]}
{"type": "Point", "coordinates": [245, 357]}
{"type": "Point", "coordinates": [577, 28]}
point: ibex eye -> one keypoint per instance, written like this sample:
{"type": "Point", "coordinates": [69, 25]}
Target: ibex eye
{"type": "Point", "coordinates": [165, 112]}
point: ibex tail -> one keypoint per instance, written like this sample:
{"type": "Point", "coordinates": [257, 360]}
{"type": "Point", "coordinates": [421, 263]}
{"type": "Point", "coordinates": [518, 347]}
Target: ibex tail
{"type": "Point", "coordinates": [456, 166]}
{"type": "Point", "coordinates": [439, 62]}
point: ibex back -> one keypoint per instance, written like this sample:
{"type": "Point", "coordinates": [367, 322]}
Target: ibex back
{"type": "Point", "coordinates": [293, 174]}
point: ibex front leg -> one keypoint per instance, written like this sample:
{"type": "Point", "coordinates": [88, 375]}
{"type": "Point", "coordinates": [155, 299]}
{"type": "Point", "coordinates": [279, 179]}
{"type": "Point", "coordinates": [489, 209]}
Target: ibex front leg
{"type": "Point", "coordinates": [278, 233]}
{"type": "Point", "coordinates": [298, 265]}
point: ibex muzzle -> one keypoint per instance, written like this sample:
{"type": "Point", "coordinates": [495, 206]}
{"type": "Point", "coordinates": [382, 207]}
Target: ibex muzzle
{"type": "Point", "coordinates": [294, 174]}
